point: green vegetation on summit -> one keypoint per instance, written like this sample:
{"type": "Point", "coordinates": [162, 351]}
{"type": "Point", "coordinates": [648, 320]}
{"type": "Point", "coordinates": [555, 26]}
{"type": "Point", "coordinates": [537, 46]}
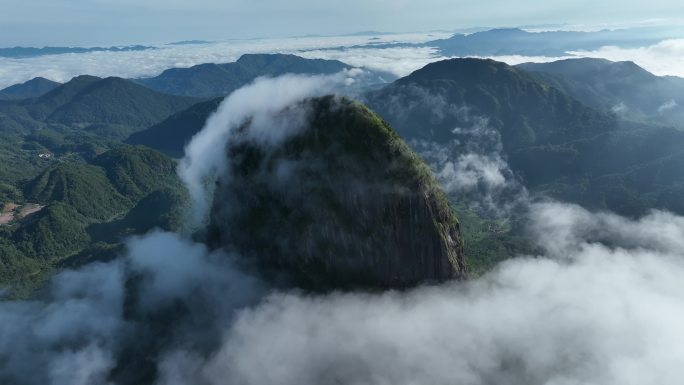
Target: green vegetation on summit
{"type": "Point", "coordinates": [30, 89]}
{"type": "Point", "coordinates": [343, 202]}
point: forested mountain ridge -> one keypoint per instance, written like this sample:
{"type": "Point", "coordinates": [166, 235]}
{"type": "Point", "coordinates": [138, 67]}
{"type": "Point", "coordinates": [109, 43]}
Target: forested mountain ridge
{"type": "Point", "coordinates": [214, 80]}
{"type": "Point", "coordinates": [81, 207]}
{"type": "Point", "coordinates": [622, 88]}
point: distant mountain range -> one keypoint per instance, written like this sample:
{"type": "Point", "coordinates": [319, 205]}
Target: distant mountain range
{"type": "Point", "coordinates": [26, 52]}
{"type": "Point", "coordinates": [214, 80]}
{"type": "Point", "coordinates": [514, 41]}
{"type": "Point", "coordinates": [622, 88]}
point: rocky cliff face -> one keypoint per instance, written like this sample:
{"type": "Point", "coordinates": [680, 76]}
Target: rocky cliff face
{"type": "Point", "coordinates": [340, 202]}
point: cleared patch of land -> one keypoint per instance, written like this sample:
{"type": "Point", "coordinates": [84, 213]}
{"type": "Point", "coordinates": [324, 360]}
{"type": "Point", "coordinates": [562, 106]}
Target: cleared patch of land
{"type": "Point", "coordinates": [13, 211]}
{"type": "Point", "coordinates": [7, 214]}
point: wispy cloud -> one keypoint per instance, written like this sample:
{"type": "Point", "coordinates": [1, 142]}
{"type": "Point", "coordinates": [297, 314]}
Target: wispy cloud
{"type": "Point", "coordinates": [599, 314]}
{"type": "Point", "coordinates": [667, 106]}
{"type": "Point", "coordinates": [260, 102]}
{"type": "Point", "coordinates": [399, 61]}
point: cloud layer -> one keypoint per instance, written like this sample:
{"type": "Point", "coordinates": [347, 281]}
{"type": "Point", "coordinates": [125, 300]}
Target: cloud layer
{"type": "Point", "coordinates": [592, 314]}
{"type": "Point", "coordinates": [148, 63]}
{"type": "Point", "coordinates": [664, 58]}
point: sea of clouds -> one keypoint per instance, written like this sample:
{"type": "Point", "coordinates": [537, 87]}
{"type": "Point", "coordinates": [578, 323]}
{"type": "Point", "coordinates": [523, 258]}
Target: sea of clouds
{"type": "Point", "coordinates": [664, 58]}
{"type": "Point", "coordinates": [152, 62]}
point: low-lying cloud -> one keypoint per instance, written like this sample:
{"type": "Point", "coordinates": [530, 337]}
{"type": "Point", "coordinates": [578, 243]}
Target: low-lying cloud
{"type": "Point", "coordinates": [598, 314]}
{"type": "Point", "coordinates": [585, 312]}
{"type": "Point", "coordinates": [462, 147]}
{"type": "Point", "coordinates": [396, 61]}
{"type": "Point", "coordinates": [135, 64]}
{"type": "Point", "coordinates": [664, 58]}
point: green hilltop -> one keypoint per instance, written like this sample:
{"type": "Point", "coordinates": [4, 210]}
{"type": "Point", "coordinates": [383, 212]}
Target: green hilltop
{"type": "Point", "coordinates": [29, 89]}
{"type": "Point", "coordinates": [343, 202]}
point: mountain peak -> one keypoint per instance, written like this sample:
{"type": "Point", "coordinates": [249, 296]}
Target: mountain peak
{"type": "Point", "coordinates": [83, 79]}
{"type": "Point", "coordinates": [215, 80]}
{"type": "Point", "coordinates": [503, 31]}
{"type": "Point", "coordinates": [30, 89]}
{"type": "Point", "coordinates": [92, 100]}
{"type": "Point", "coordinates": [250, 58]}
{"type": "Point", "coordinates": [464, 70]}
{"type": "Point", "coordinates": [339, 234]}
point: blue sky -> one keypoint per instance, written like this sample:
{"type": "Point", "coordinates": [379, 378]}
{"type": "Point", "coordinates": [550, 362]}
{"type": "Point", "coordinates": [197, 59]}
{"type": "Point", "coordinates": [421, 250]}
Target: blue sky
{"type": "Point", "coordinates": [91, 22]}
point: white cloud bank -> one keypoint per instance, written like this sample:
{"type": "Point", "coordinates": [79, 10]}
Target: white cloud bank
{"type": "Point", "coordinates": [664, 58]}
{"type": "Point", "coordinates": [147, 63]}
{"type": "Point", "coordinates": [594, 315]}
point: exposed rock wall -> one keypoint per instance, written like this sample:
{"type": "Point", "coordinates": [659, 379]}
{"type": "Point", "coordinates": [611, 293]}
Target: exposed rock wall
{"type": "Point", "coordinates": [342, 202]}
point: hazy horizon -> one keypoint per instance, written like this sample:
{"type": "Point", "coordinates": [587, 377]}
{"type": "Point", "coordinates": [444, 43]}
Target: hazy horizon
{"type": "Point", "coordinates": [104, 22]}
